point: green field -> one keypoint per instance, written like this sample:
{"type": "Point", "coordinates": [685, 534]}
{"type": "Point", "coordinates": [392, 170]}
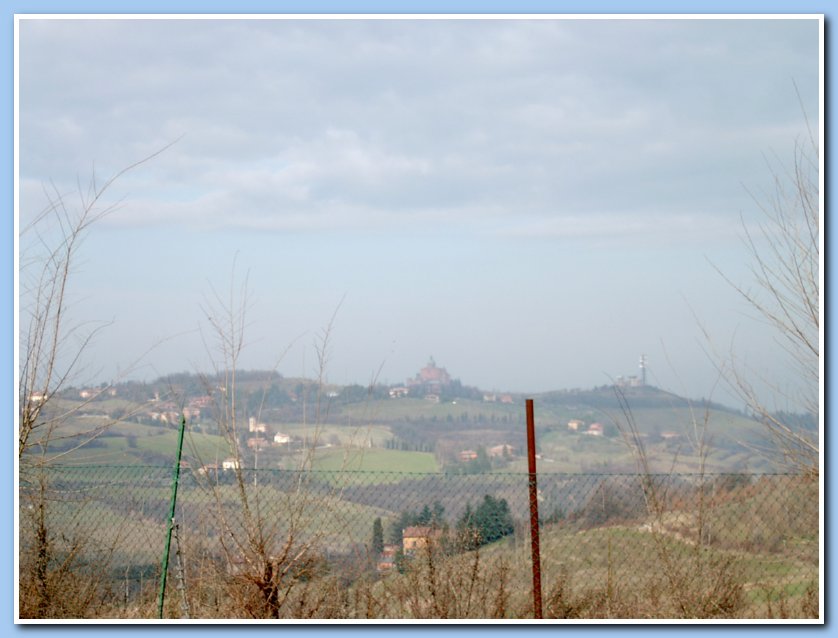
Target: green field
{"type": "Point", "coordinates": [400, 409]}
{"type": "Point", "coordinates": [350, 435]}
{"type": "Point", "coordinates": [374, 460]}
{"type": "Point", "coordinates": [125, 443]}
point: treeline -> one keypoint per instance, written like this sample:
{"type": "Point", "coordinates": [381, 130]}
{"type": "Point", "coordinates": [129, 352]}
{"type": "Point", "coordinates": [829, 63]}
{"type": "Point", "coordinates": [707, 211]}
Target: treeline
{"type": "Point", "coordinates": [486, 522]}
{"type": "Point", "coordinates": [408, 446]}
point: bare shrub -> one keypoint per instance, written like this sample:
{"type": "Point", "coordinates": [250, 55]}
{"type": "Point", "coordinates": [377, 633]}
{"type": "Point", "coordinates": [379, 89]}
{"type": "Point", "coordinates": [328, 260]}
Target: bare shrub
{"type": "Point", "coordinates": [52, 350]}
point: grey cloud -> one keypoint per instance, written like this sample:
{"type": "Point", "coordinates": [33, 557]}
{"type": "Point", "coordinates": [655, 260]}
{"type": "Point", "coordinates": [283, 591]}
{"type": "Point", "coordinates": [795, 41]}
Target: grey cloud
{"type": "Point", "coordinates": [360, 123]}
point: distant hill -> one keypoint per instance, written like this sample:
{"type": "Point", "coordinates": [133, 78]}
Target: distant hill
{"type": "Point", "coordinates": [577, 430]}
{"type": "Point", "coordinates": [609, 396]}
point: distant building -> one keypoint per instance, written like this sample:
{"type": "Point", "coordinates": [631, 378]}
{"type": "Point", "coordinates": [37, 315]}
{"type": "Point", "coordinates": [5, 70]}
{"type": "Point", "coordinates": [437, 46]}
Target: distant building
{"type": "Point", "coordinates": [431, 378]}
{"type": "Point", "coordinates": [208, 469]}
{"type": "Point", "coordinates": [257, 443]}
{"type": "Point", "coordinates": [595, 429]}
{"type": "Point", "coordinates": [282, 439]}
{"type": "Point", "coordinates": [507, 398]}
{"type": "Point", "coordinates": [575, 424]}
{"type": "Point", "coordinates": [467, 455]}
{"type": "Point", "coordinates": [387, 558]}
{"type": "Point", "coordinates": [204, 401]}
{"type": "Point", "coordinates": [414, 538]}
{"type": "Point", "coordinates": [628, 382]}
{"type": "Point", "coordinates": [398, 393]}
{"type": "Point", "coordinates": [253, 426]}
{"type": "Point", "coordinates": [634, 381]}
{"type": "Point", "coordinates": [230, 464]}
{"type": "Point", "coordinates": [499, 451]}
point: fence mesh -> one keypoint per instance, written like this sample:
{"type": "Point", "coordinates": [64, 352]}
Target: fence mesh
{"type": "Point", "coordinates": [288, 544]}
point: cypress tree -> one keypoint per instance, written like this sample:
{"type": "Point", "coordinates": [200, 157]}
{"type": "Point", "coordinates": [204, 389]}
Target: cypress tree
{"type": "Point", "coordinates": [377, 537]}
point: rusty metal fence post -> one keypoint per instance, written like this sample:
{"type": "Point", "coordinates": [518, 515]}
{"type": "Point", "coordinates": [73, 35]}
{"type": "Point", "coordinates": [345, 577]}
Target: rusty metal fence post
{"type": "Point", "coordinates": [533, 485]}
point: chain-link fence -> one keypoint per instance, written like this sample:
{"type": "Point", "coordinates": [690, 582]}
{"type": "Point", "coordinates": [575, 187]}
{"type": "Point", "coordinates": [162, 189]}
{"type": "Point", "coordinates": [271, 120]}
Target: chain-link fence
{"type": "Point", "coordinates": [287, 544]}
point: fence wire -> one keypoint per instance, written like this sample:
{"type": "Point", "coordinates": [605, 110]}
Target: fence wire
{"type": "Point", "coordinates": [319, 544]}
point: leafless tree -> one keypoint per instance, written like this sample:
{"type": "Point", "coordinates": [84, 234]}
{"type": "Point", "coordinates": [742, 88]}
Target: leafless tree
{"type": "Point", "coordinates": [785, 259]}
{"type": "Point", "coordinates": [269, 537]}
{"type": "Point", "coordinates": [51, 346]}
{"type": "Point", "coordinates": [51, 352]}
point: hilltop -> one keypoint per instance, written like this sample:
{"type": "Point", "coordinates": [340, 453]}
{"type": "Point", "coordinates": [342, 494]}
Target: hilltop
{"type": "Point", "coordinates": [433, 422]}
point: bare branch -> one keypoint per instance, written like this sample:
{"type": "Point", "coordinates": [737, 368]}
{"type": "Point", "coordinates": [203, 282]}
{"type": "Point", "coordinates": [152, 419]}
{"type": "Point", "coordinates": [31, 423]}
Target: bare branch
{"type": "Point", "coordinates": [785, 264]}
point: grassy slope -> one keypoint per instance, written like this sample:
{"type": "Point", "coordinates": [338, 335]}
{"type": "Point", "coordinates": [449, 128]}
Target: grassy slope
{"type": "Point", "coordinates": [398, 409]}
{"type": "Point", "coordinates": [731, 435]}
{"type": "Point", "coordinates": [374, 460]}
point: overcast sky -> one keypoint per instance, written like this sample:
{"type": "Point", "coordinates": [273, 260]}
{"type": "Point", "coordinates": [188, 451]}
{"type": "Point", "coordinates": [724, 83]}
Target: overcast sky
{"type": "Point", "coordinates": [534, 203]}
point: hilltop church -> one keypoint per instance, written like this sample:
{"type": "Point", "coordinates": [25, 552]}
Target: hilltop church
{"type": "Point", "coordinates": [431, 378]}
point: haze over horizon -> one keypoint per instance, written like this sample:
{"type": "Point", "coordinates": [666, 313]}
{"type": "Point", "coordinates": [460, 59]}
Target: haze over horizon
{"type": "Point", "coordinates": [534, 203]}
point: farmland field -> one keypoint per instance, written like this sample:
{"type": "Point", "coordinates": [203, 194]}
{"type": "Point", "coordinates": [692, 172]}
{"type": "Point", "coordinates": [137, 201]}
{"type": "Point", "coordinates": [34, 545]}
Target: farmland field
{"type": "Point", "coordinates": [374, 460]}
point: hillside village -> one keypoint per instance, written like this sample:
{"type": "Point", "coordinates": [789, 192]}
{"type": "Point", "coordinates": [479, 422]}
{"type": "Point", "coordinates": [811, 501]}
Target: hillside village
{"type": "Point", "coordinates": [432, 415]}
{"type": "Point", "coordinates": [425, 468]}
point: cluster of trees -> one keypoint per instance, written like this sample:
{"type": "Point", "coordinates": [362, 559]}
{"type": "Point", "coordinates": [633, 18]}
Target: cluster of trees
{"type": "Point", "coordinates": [491, 520]}
{"type": "Point", "coordinates": [430, 516]}
{"type": "Point", "coordinates": [409, 446]}
{"type": "Point", "coordinates": [465, 419]}
{"type": "Point", "coordinates": [479, 465]}
{"type": "Point", "coordinates": [456, 390]}
{"type": "Point", "coordinates": [356, 393]}
{"type": "Point", "coordinates": [487, 522]}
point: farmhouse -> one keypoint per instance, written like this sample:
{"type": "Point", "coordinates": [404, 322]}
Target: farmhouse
{"type": "Point", "coordinates": [398, 393]}
{"type": "Point", "coordinates": [499, 451]}
{"type": "Point", "coordinates": [208, 469]}
{"type": "Point", "coordinates": [387, 558]}
{"type": "Point", "coordinates": [254, 426]}
{"type": "Point", "coordinates": [574, 424]}
{"type": "Point", "coordinates": [257, 443]}
{"type": "Point", "coordinates": [230, 463]}
{"type": "Point", "coordinates": [595, 429]}
{"type": "Point", "coordinates": [414, 538]}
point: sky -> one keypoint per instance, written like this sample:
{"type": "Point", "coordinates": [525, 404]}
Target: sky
{"type": "Point", "coordinates": [534, 203]}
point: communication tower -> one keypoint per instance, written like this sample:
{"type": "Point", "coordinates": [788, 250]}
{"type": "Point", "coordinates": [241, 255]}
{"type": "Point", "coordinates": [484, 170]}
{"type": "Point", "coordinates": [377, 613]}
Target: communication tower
{"type": "Point", "coordinates": [642, 367]}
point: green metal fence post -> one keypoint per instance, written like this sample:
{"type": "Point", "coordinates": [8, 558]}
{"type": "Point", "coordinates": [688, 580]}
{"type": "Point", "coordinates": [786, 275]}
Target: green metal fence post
{"type": "Point", "coordinates": [175, 479]}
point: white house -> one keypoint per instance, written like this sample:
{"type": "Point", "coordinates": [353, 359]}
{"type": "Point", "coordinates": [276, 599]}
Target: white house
{"type": "Point", "coordinates": [500, 450]}
{"type": "Point", "coordinates": [230, 464]}
{"type": "Point", "coordinates": [282, 439]}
